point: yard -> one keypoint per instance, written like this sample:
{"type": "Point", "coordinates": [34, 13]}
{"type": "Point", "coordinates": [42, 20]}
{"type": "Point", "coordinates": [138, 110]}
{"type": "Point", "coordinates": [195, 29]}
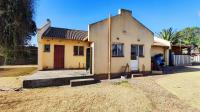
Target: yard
{"type": "Point", "coordinates": [177, 92]}
{"type": "Point", "coordinates": [185, 86]}
{"type": "Point", "coordinates": [11, 77]}
{"type": "Point", "coordinates": [96, 98]}
{"type": "Point", "coordinates": [14, 72]}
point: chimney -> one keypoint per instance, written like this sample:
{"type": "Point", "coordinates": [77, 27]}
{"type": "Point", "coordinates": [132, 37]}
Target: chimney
{"type": "Point", "coordinates": [41, 30]}
{"type": "Point", "coordinates": [125, 11]}
{"type": "Point", "coordinates": [48, 22]}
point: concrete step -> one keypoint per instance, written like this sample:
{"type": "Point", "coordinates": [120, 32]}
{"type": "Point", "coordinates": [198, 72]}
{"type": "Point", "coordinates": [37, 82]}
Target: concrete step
{"type": "Point", "coordinates": [49, 81]}
{"type": "Point", "coordinates": [80, 82]}
{"type": "Point", "coordinates": [82, 77]}
{"type": "Point", "coordinates": [137, 75]}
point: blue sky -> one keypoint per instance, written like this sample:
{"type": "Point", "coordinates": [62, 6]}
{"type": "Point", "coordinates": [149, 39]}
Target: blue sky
{"type": "Point", "coordinates": [155, 14]}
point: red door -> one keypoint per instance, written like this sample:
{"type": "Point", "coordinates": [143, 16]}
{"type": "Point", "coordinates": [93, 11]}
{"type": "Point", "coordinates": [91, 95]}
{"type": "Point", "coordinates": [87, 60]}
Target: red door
{"type": "Point", "coordinates": [59, 52]}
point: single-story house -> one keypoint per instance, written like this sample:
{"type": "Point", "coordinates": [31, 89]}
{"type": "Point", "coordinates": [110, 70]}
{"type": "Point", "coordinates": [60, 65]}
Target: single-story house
{"type": "Point", "coordinates": [104, 49]}
{"type": "Point", "coordinates": [180, 49]}
{"type": "Point", "coordinates": [161, 46]}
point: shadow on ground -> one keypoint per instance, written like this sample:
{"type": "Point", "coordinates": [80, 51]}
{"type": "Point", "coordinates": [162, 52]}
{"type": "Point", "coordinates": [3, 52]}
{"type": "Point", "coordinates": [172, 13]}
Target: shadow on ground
{"type": "Point", "coordinates": [181, 69]}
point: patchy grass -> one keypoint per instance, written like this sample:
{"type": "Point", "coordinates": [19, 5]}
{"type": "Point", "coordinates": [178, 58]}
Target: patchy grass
{"type": "Point", "coordinates": [122, 83]}
{"type": "Point", "coordinates": [186, 86]}
{"type": "Point", "coordinates": [10, 82]}
{"type": "Point", "coordinates": [9, 77]}
{"type": "Point", "coordinates": [104, 97]}
{"type": "Point", "coordinates": [13, 72]}
{"type": "Point", "coordinates": [163, 93]}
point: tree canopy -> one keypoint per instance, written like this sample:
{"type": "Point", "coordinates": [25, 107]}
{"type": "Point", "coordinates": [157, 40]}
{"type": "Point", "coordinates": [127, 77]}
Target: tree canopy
{"type": "Point", "coordinates": [170, 35]}
{"type": "Point", "coordinates": [191, 36]}
{"type": "Point", "coordinates": [187, 36]}
{"type": "Point", "coordinates": [17, 25]}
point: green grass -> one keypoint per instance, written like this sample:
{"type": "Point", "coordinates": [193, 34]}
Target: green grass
{"type": "Point", "coordinates": [185, 86]}
{"type": "Point", "coordinates": [14, 72]}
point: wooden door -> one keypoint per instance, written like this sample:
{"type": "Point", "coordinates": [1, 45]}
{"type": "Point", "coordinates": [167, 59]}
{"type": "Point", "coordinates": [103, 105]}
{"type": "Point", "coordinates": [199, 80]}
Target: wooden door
{"type": "Point", "coordinates": [59, 54]}
{"type": "Point", "coordinates": [88, 59]}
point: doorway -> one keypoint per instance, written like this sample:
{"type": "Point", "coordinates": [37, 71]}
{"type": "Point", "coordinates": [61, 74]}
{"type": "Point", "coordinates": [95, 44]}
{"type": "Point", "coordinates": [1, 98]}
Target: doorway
{"type": "Point", "coordinates": [134, 58]}
{"type": "Point", "coordinates": [89, 60]}
{"type": "Point", "coordinates": [59, 52]}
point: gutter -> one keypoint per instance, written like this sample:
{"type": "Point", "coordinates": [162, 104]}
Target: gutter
{"type": "Point", "coordinates": [109, 47]}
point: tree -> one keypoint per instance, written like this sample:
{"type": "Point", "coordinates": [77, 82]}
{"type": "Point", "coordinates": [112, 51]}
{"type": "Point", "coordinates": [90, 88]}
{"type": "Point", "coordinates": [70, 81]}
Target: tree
{"type": "Point", "coordinates": [17, 25]}
{"type": "Point", "coordinates": [191, 36]}
{"type": "Point", "coordinates": [169, 35]}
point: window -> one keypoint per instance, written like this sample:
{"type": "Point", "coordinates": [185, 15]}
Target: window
{"type": "Point", "coordinates": [117, 50]}
{"type": "Point", "coordinates": [137, 51]}
{"type": "Point", "coordinates": [81, 50]}
{"type": "Point", "coordinates": [141, 51]}
{"type": "Point", "coordinates": [78, 51]}
{"type": "Point", "coordinates": [134, 52]}
{"type": "Point", "coordinates": [75, 50]}
{"type": "Point", "coordinates": [47, 48]}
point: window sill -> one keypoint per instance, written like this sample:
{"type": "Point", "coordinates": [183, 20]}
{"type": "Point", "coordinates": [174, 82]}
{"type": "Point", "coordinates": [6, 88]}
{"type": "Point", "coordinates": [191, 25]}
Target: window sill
{"type": "Point", "coordinates": [117, 56]}
{"type": "Point", "coordinates": [78, 55]}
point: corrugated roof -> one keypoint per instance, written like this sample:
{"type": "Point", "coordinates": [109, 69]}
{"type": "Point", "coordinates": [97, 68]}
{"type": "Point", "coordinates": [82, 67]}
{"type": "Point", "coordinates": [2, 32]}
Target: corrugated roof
{"type": "Point", "coordinates": [161, 42]}
{"type": "Point", "coordinates": [53, 32]}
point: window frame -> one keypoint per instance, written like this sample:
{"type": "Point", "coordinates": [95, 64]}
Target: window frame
{"type": "Point", "coordinates": [49, 49]}
{"type": "Point", "coordinates": [137, 52]}
{"type": "Point", "coordinates": [78, 51]}
{"type": "Point", "coordinates": [122, 54]}
{"type": "Point", "coordinates": [142, 50]}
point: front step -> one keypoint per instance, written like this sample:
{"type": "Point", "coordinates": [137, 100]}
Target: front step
{"type": "Point", "coordinates": [80, 82]}
{"type": "Point", "coordinates": [49, 82]}
{"type": "Point", "coordinates": [137, 75]}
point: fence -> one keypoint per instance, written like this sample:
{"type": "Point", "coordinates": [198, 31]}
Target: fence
{"type": "Point", "coordinates": [23, 56]}
{"type": "Point", "coordinates": [181, 60]}
{"type": "Point", "coordinates": [196, 58]}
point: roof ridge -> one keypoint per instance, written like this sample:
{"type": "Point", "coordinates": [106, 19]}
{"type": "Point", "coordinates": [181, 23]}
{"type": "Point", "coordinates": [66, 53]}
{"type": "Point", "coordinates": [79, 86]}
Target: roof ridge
{"type": "Point", "coordinates": [47, 31]}
{"type": "Point", "coordinates": [69, 29]}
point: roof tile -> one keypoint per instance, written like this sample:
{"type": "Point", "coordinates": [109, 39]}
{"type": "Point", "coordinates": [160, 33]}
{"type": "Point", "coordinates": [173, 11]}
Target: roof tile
{"type": "Point", "coordinates": [70, 34]}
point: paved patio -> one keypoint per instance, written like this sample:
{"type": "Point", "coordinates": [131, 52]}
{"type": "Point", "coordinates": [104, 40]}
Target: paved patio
{"type": "Point", "coordinates": [18, 66]}
{"type": "Point", "coordinates": [56, 74]}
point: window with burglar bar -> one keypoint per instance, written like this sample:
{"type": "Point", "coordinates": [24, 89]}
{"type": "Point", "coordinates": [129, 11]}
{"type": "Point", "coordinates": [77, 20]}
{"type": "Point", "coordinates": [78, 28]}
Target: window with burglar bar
{"type": "Point", "coordinates": [117, 50]}
{"type": "Point", "coordinates": [78, 51]}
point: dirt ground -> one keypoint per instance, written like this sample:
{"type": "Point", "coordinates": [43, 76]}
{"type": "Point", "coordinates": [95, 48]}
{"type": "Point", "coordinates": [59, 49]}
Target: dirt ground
{"type": "Point", "coordinates": [11, 76]}
{"type": "Point", "coordinates": [10, 82]}
{"type": "Point", "coordinates": [185, 85]}
{"type": "Point", "coordinates": [178, 92]}
{"type": "Point", "coordinates": [162, 100]}
{"type": "Point", "coordinates": [104, 97]}
{"type": "Point", "coordinates": [15, 72]}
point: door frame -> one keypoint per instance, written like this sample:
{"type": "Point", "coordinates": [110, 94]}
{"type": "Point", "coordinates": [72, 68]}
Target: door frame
{"type": "Point", "coordinates": [136, 56]}
{"type": "Point", "coordinates": [63, 66]}
{"type": "Point", "coordinates": [89, 58]}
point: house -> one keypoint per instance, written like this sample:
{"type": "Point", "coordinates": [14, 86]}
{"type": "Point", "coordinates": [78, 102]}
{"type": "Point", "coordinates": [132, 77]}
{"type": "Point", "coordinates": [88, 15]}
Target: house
{"type": "Point", "coordinates": [181, 49]}
{"type": "Point", "coordinates": [60, 48]}
{"type": "Point", "coordinates": [161, 46]}
{"type": "Point", "coordinates": [104, 49]}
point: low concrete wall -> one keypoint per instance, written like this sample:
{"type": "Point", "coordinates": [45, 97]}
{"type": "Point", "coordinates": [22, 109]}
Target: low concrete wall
{"type": "Point", "coordinates": [45, 82]}
{"type": "Point", "coordinates": [48, 82]}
